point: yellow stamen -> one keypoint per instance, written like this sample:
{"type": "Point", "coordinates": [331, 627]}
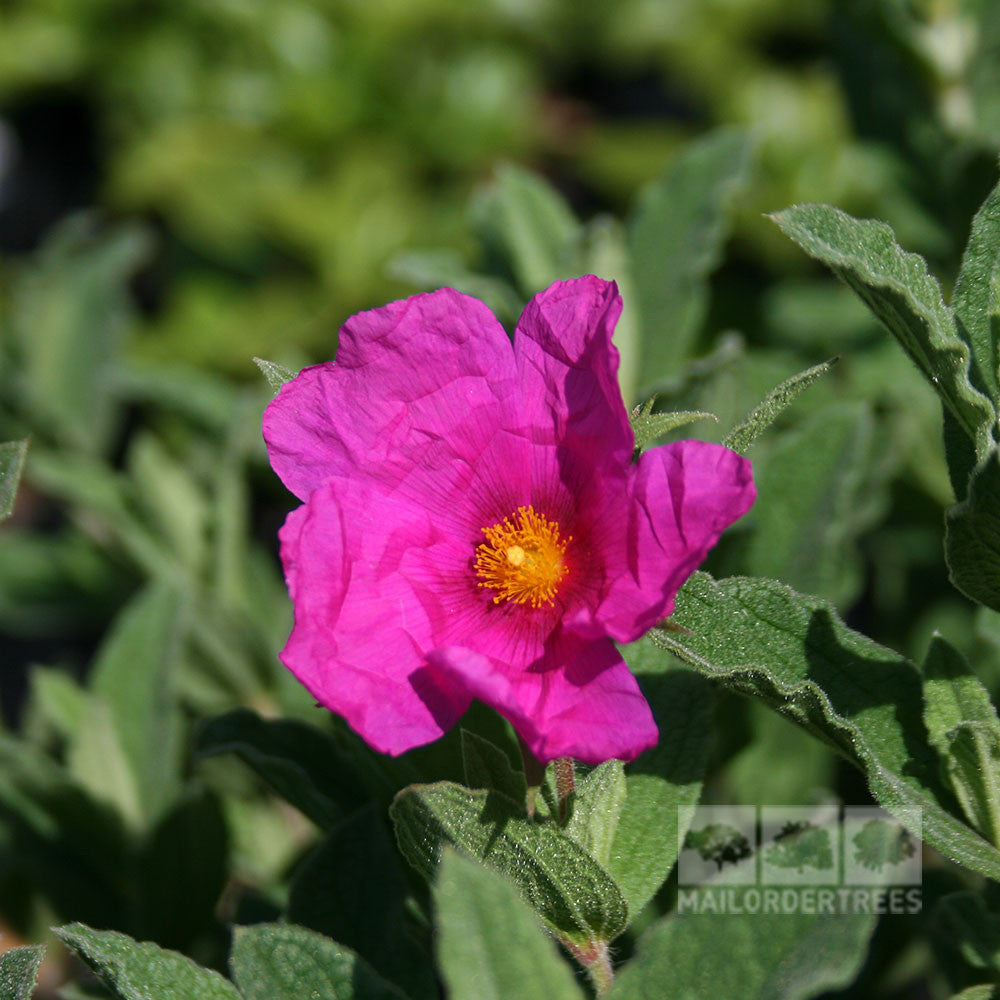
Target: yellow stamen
{"type": "Point", "coordinates": [522, 559]}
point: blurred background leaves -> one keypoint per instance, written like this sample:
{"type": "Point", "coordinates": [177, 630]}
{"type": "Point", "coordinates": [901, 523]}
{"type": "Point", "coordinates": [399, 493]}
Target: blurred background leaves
{"type": "Point", "coordinates": [186, 186]}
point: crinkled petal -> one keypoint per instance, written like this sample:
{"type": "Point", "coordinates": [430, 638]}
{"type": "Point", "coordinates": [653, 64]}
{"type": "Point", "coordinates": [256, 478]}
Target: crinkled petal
{"type": "Point", "coordinates": [568, 369]}
{"type": "Point", "coordinates": [681, 497]}
{"type": "Point", "coordinates": [364, 618]}
{"type": "Point", "coordinates": [590, 709]}
{"type": "Point", "coordinates": [415, 382]}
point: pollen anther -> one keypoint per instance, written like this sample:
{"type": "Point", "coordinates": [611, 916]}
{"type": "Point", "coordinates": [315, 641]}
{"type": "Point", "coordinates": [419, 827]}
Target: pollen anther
{"type": "Point", "coordinates": [522, 558]}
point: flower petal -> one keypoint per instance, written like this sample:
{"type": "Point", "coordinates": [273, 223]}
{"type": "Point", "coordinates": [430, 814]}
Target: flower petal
{"type": "Point", "coordinates": [590, 708]}
{"type": "Point", "coordinates": [568, 369]}
{"type": "Point", "coordinates": [682, 496]}
{"type": "Point", "coordinates": [412, 379]}
{"type": "Point", "coordinates": [363, 618]}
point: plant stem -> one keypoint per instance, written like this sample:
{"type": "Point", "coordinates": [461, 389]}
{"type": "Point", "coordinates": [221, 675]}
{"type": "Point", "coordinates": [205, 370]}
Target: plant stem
{"type": "Point", "coordinates": [565, 784]}
{"type": "Point", "coordinates": [534, 775]}
{"type": "Point", "coordinates": [600, 971]}
{"type": "Point", "coordinates": [596, 959]}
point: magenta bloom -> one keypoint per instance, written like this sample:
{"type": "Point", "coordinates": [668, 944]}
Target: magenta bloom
{"type": "Point", "coordinates": [473, 525]}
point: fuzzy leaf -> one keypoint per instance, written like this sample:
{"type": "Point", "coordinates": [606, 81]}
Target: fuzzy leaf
{"type": "Point", "coordinates": [135, 970]}
{"type": "Point", "coordinates": [664, 778]}
{"type": "Point", "coordinates": [486, 766]}
{"type": "Point", "coordinates": [972, 536]}
{"type": "Point", "coordinates": [276, 375]}
{"type": "Point", "coordinates": [764, 639]}
{"type": "Point", "coordinates": [648, 427]}
{"type": "Point", "coordinates": [282, 962]}
{"type": "Point", "coordinates": [570, 891]}
{"type": "Point", "coordinates": [953, 693]}
{"type": "Point", "coordinates": [675, 241]}
{"type": "Point", "coordinates": [976, 299]}
{"type": "Point", "coordinates": [12, 456]}
{"type": "Point", "coordinates": [766, 412]}
{"type": "Point", "coordinates": [490, 945]}
{"type": "Point", "coordinates": [897, 288]}
{"type": "Point", "coordinates": [352, 890]}
{"type": "Point", "coordinates": [765, 956]}
{"type": "Point", "coordinates": [596, 808]}
{"type": "Point", "coordinates": [962, 724]}
{"type": "Point", "coordinates": [972, 764]}
{"type": "Point", "coordinates": [300, 762]}
{"type": "Point", "coordinates": [18, 969]}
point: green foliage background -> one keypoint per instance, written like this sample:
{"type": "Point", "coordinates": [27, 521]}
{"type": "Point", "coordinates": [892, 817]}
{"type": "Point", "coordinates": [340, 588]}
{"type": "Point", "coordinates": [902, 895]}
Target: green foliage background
{"type": "Point", "coordinates": [186, 186]}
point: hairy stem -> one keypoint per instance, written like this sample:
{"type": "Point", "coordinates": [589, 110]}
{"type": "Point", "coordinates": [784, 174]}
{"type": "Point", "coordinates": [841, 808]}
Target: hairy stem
{"type": "Point", "coordinates": [596, 959]}
{"type": "Point", "coordinates": [534, 775]}
{"type": "Point", "coordinates": [565, 784]}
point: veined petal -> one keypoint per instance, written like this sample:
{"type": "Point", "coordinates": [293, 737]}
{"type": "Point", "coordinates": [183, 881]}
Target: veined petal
{"type": "Point", "coordinates": [568, 370]}
{"type": "Point", "coordinates": [363, 617]}
{"type": "Point", "coordinates": [589, 708]}
{"type": "Point", "coordinates": [681, 497]}
{"type": "Point", "coordinates": [413, 381]}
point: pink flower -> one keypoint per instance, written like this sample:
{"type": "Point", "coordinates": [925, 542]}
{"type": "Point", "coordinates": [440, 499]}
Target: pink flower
{"type": "Point", "coordinates": [473, 525]}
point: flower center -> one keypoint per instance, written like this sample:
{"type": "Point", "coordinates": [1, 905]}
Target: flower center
{"type": "Point", "coordinates": [522, 559]}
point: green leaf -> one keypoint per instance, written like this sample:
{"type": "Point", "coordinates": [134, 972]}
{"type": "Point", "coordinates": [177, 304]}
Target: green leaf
{"type": "Point", "coordinates": [962, 725]}
{"type": "Point", "coordinates": [966, 921]}
{"type": "Point", "coordinates": [976, 299]}
{"type": "Point", "coordinates": [300, 762]}
{"type": "Point", "coordinates": [98, 764]}
{"type": "Point", "coordinates": [135, 970]}
{"type": "Point", "coordinates": [664, 778]}
{"type": "Point", "coordinates": [764, 639]}
{"type": "Point", "coordinates": [526, 217]}
{"type": "Point", "coordinates": [953, 693]}
{"type": "Point", "coordinates": [67, 846]}
{"type": "Point", "coordinates": [69, 315]}
{"type": "Point", "coordinates": [487, 766]}
{"type": "Point", "coordinates": [12, 456]}
{"type": "Point", "coordinates": [282, 962]}
{"type": "Point", "coordinates": [777, 956]}
{"type": "Point", "coordinates": [445, 268]}
{"type": "Point", "coordinates": [59, 700]}
{"type": "Point", "coordinates": [766, 412]}
{"type": "Point", "coordinates": [985, 991]}
{"type": "Point", "coordinates": [972, 536]}
{"type": "Point", "coordinates": [973, 767]}
{"type": "Point", "coordinates": [573, 894]}
{"type": "Point", "coordinates": [602, 250]}
{"type": "Point", "coordinates": [648, 426]}
{"type": "Point", "coordinates": [814, 496]}
{"type": "Point", "coordinates": [897, 288]}
{"type": "Point", "coordinates": [18, 969]}
{"type": "Point", "coordinates": [490, 945]}
{"type": "Point", "coordinates": [172, 502]}
{"type": "Point", "coordinates": [135, 677]}
{"type": "Point", "coordinates": [276, 375]}
{"type": "Point", "coordinates": [675, 241]}
{"type": "Point", "coordinates": [182, 870]}
{"type": "Point", "coordinates": [351, 889]}
{"type": "Point", "coordinates": [596, 808]}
